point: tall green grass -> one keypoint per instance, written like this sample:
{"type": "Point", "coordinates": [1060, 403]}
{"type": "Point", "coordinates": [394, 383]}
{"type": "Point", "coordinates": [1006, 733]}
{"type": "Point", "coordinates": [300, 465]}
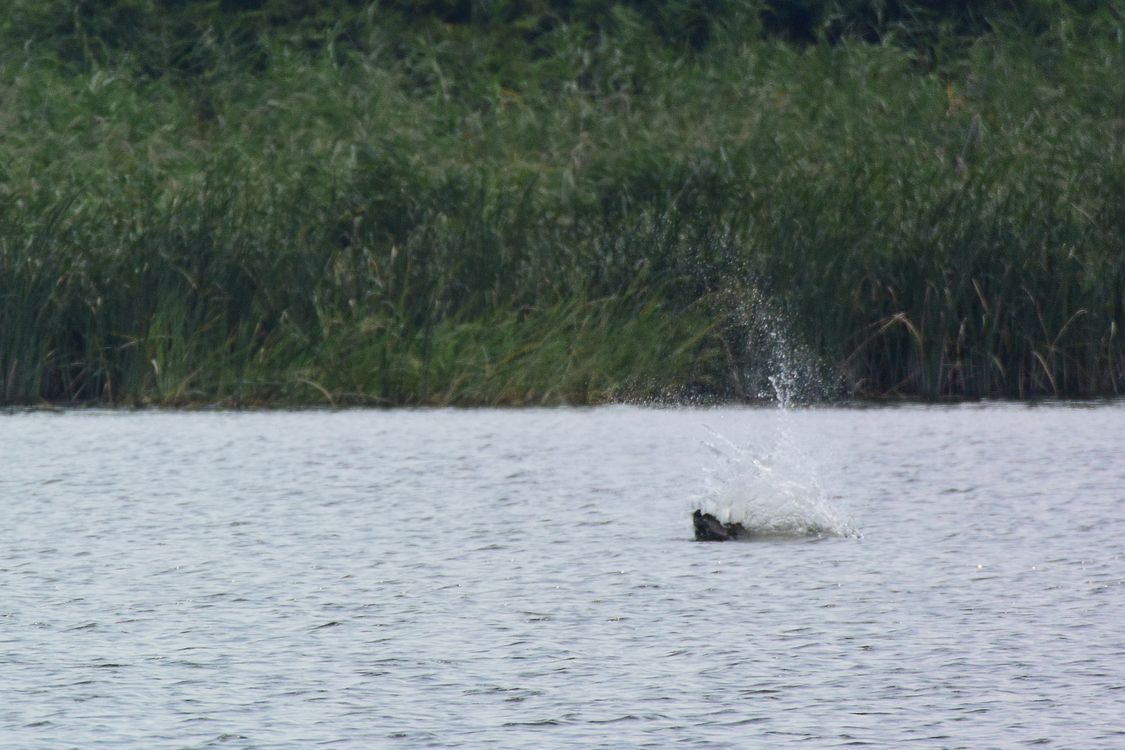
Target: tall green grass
{"type": "Point", "coordinates": [436, 213]}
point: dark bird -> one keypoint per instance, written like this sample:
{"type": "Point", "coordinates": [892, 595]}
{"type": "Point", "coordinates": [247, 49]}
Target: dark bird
{"type": "Point", "coordinates": [710, 529]}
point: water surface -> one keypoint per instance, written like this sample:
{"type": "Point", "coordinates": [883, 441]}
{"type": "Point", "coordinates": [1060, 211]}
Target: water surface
{"type": "Point", "coordinates": [518, 579]}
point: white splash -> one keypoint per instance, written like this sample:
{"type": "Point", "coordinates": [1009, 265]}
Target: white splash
{"type": "Point", "coordinates": [772, 491]}
{"type": "Point", "coordinates": [773, 487]}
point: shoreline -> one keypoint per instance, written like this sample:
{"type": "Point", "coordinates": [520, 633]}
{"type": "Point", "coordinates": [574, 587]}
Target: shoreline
{"type": "Point", "coordinates": [858, 404]}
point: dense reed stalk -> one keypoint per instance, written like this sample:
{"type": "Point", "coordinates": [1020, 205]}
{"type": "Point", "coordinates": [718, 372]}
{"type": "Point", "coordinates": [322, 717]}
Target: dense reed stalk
{"type": "Point", "coordinates": [392, 211]}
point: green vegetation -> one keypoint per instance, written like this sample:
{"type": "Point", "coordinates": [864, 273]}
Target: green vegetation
{"type": "Point", "coordinates": [444, 201]}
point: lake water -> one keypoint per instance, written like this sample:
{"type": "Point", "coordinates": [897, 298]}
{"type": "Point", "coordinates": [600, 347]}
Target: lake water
{"type": "Point", "coordinates": [938, 577]}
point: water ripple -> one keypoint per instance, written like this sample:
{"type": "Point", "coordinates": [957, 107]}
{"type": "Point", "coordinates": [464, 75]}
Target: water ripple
{"type": "Point", "coordinates": [511, 579]}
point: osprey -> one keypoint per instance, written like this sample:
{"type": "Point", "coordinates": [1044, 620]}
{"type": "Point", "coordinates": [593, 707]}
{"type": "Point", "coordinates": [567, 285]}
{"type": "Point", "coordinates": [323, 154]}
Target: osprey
{"type": "Point", "coordinates": [710, 529]}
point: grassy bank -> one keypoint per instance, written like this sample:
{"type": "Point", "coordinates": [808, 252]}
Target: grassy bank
{"type": "Point", "coordinates": [381, 206]}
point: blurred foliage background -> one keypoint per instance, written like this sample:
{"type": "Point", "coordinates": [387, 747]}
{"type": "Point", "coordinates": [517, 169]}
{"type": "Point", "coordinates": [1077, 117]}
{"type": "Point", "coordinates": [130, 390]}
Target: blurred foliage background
{"type": "Point", "coordinates": [548, 201]}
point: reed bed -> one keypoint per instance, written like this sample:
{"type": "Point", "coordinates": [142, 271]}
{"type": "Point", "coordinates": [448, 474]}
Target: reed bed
{"type": "Point", "coordinates": [433, 213]}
